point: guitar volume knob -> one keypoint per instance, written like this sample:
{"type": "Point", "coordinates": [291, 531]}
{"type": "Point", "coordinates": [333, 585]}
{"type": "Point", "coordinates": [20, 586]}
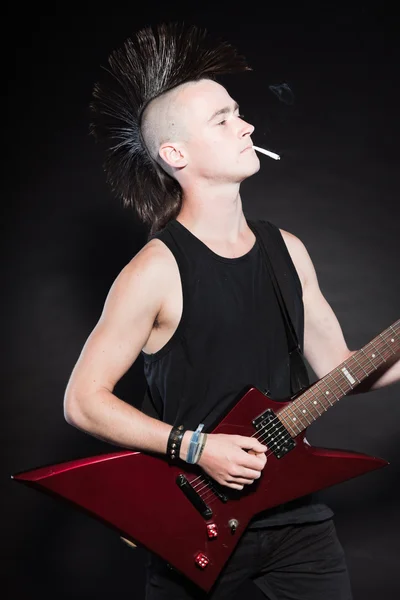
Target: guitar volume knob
{"type": "Point", "coordinates": [233, 524]}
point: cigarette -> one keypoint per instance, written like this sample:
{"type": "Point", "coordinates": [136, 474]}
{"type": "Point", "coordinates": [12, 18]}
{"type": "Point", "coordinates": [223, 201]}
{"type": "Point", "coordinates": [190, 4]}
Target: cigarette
{"type": "Point", "coordinates": [267, 152]}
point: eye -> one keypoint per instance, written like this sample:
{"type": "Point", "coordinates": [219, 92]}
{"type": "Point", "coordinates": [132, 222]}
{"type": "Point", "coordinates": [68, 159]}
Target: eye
{"type": "Point", "coordinates": [241, 116]}
{"type": "Point", "coordinates": [222, 122]}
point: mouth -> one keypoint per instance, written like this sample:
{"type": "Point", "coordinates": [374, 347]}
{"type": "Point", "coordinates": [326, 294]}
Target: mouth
{"type": "Point", "coordinates": [250, 147]}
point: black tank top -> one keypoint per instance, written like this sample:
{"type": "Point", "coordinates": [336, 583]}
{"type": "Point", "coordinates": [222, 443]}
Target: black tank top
{"type": "Point", "coordinates": [231, 336]}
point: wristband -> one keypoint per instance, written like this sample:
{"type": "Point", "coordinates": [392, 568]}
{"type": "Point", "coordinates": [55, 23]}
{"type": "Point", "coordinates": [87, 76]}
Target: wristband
{"type": "Point", "coordinates": [174, 442]}
{"type": "Point", "coordinates": [193, 444]}
{"type": "Point", "coordinates": [200, 447]}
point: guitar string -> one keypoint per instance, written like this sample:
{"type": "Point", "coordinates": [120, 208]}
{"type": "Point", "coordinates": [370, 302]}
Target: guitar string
{"type": "Point", "coordinates": [290, 409]}
{"type": "Point", "coordinates": [208, 486]}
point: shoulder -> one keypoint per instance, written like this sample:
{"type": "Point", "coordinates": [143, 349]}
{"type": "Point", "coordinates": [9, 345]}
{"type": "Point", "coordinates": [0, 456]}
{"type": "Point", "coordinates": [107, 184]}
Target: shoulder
{"type": "Point", "coordinates": [154, 256]}
{"type": "Point", "coordinates": [148, 272]}
{"type": "Point", "coordinates": [293, 243]}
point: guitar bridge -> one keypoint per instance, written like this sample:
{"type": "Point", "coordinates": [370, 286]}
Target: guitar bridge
{"type": "Point", "coordinates": [273, 433]}
{"type": "Point", "coordinates": [193, 496]}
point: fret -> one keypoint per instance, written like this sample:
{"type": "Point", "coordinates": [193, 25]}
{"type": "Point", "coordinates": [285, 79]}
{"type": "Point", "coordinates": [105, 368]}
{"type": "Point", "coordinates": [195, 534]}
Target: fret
{"type": "Point", "coordinates": [315, 404]}
{"type": "Point", "coordinates": [289, 418]}
{"type": "Point", "coordinates": [383, 359]}
{"type": "Point", "coordinates": [335, 387]}
{"type": "Point", "coordinates": [354, 366]}
{"type": "Point", "coordinates": [307, 407]}
{"type": "Point", "coordinates": [395, 335]}
{"type": "Point", "coordinates": [291, 412]}
{"type": "Point", "coordinates": [315, 401]}
{"type": "Point", "coordinates": [368, 358]}
{"type": "Point", "coordinates": [385, 342]}
{"type": "Point", "coordinates": [349, 374]}
{"type": "Point", "coordinates": [288, 426]}
{"type": "Point", "coordinates": [377, 354]}
{"type": "Point", "coordinates": [283, 418]}
{"type": "Point", "coordinates": [325, 392]}
{"type": "Point", "coordinates": [321, 398]}
{"type": "Point", "coordinates": [379, 349]}
{"type": "Point", "coordinates": [291, 415]}
{"type": "Point", "coordinates": [377, 360]}
{"type": "Point", "coordinates": [340, 387]}
{"type": "Point", "coordinates": [292, 419]}
{"type": "Point", "coordinates": [334, 381]}
{"type": "Point", "coordinates": [299, 416]}
{"type": "Point", "coordinates": [304, 412]}
{"type": "Point", "coordinates": [337, 382]}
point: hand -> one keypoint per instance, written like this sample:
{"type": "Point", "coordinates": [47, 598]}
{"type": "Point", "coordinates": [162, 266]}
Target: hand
{"type": "Point", "coordinates": [233, 460]}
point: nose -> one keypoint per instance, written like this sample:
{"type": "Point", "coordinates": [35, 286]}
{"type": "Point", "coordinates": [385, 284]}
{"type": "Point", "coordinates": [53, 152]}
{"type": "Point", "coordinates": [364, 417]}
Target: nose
{"type": "Point", "coordinates": [245, 129]}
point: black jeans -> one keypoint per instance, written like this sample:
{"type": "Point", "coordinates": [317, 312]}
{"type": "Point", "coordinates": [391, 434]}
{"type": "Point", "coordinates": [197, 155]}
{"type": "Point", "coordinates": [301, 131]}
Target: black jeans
{"type": "Point", "coordinates": [293, 562]}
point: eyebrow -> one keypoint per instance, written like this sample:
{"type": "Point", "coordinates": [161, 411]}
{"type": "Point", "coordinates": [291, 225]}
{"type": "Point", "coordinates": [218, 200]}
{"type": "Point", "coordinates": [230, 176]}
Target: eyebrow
{"type": "Point", "coordinates": [224, 111]}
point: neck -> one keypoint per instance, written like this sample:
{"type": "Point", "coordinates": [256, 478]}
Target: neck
{"type": "Point", "coordinates": [215, 215]}
{"type": "Point", "coordinates": [323, 394]}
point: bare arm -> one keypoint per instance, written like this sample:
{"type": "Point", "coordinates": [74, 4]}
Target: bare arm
{"type": "Point", "coordinates": [131, 307]}
{"type": "Point", "coordinates": [324, 343]}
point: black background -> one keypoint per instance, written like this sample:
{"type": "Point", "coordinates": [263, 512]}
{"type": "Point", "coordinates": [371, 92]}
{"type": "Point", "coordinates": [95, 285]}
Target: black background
{"type": "Point", "coordinates": [66, 238]}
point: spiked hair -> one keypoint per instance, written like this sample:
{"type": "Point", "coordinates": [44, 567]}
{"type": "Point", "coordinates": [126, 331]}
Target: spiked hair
{"type": "Point", "coordinates": [149, 64]}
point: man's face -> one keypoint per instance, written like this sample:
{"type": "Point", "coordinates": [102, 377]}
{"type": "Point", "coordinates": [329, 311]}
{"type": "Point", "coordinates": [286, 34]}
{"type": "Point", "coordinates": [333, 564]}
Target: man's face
{"type": "Point", "coordinates": [217, 137]}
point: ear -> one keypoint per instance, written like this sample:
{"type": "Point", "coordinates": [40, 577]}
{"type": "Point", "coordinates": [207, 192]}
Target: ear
{"type": "Point", "coordinates": [173, 155]}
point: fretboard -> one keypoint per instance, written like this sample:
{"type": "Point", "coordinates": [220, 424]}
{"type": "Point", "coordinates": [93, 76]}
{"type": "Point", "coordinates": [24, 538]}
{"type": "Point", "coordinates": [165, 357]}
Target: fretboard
{"type": "Point", "coordinates": [323, 394]}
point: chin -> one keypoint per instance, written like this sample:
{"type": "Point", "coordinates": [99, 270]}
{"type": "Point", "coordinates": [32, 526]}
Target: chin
{"type": "Point", "coordinates": [251, 171]}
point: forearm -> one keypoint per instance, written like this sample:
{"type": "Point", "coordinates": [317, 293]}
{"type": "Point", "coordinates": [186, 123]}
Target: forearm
{"type": "Point", "coordinates": [107, 417]}
{"type": "Point", "coordinates": [387, 374]}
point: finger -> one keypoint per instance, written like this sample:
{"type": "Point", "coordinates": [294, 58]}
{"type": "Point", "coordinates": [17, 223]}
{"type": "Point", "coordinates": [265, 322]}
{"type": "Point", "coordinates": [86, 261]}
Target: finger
{"type": "Point", "coordinates": [241, 481]}
{"type": "Point", "coordinates": [261, 456]}
{"type": "Point", "coordinates": [254, 463]}
{"type": "Point", "coordinates": [249, 443]}
{"type": "Point", "coordinates": [249, 473]}
{"type": "Point", "coordinates": [255, 453]}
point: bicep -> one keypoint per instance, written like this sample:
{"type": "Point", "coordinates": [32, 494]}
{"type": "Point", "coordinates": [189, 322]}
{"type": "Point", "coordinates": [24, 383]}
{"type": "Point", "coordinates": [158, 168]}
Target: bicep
{"type": "Point", "coordinates": [124, 326]}
{"type": "Point", "coordinates": [324, 343]}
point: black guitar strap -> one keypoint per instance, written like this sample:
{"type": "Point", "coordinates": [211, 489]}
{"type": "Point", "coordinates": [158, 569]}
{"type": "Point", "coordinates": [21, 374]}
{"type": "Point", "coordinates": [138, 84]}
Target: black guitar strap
{"type": "Point", "coordinates": [298, 372]}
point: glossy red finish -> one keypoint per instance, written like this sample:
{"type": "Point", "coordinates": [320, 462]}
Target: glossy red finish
{"type": "Point", "coordinates": [137, 494]}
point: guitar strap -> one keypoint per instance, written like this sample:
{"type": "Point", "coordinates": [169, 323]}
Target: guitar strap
{"type": "Point", "coordinates": [298, 372]}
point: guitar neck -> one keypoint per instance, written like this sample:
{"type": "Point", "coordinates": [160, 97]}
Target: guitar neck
{"type": "Point", "coordinates": [323, 394]}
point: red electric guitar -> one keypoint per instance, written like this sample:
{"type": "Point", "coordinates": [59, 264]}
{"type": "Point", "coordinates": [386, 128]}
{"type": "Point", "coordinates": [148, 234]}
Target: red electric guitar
{"type": "Point", "coordinates": [177, 512]}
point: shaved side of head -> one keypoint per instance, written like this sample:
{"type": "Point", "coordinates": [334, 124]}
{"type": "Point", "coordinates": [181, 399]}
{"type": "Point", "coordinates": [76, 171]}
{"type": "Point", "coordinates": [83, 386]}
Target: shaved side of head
{"type": "Point", "coordinates": [164, 120]}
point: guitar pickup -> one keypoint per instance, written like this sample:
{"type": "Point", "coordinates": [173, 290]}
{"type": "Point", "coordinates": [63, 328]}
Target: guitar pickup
{"type": "Point", "coordinates": [217, 489]}
{"type": "Point", "coordinates": [273, 433]}
{"type": "Point", "coordinates": [193, 496]}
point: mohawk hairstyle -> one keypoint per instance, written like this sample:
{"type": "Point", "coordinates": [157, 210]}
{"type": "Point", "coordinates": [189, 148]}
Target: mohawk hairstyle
{"type": "Point", "coordinates": [149, 64]}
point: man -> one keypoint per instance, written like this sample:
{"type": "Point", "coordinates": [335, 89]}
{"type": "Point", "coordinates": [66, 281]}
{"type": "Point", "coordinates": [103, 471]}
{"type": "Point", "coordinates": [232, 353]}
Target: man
{"type": "Point", "coordinates": [198, 303]}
